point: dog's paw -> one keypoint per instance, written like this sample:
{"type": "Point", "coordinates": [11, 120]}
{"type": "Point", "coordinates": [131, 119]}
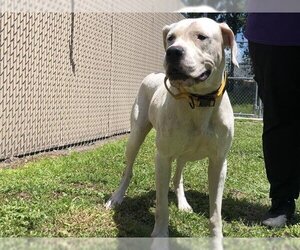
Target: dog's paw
{"type": "Point", "coordinates": [185, 207]}
{"type": "Point", "coordinates": [113, 202]}
{"type": "Point", "coordinates": [160, 233]}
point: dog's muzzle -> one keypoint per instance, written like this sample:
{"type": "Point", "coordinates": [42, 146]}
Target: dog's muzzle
{"type": "Point", "coordinates": [174, 54]}
{"type": "Point", "coordinates": [175, 71]}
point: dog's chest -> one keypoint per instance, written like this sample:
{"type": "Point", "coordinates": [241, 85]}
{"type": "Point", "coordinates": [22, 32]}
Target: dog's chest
{"type": "Point", "coordinates": [191, 137]}
{"type": "Point", "coordinates": [198, 130]}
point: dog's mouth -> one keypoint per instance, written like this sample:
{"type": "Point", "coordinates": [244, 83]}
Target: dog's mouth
{"type": "Point", "coordinates": [175, 74]}
{"type": "Point", "coordinates": [203, 76]}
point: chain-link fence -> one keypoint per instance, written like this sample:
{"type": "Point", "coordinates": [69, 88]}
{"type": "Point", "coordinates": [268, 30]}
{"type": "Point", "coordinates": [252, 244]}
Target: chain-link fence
{"type": "Point", "coordinates": [242, 89]}
{"type": "Point", "coordinates": [243, 94]}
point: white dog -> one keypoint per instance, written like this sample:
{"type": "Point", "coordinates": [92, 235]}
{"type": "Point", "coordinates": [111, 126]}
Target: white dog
{"type": "Point", "coordinates": [190, 112]}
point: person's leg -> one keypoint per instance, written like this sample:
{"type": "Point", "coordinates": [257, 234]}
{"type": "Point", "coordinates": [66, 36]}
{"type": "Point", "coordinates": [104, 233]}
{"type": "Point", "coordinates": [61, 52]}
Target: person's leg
{"type": "Point", "coordinates": [276, 72]}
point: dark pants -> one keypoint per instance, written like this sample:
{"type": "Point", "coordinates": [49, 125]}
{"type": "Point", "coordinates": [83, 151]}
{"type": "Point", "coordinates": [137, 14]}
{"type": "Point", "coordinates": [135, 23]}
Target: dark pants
{"type": "Point", "coordinates": [277, 72]}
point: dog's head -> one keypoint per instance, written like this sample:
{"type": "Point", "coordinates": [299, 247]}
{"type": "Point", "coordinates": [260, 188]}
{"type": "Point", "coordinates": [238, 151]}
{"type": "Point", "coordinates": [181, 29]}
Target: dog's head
{"type": "Point", "coordinates": [194, 55]}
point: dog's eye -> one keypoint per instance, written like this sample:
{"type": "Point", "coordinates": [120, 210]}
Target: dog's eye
{"type": "Point", "coordinates": [201, 37]}
{"type": "Point", "coordinates": [171, 38]}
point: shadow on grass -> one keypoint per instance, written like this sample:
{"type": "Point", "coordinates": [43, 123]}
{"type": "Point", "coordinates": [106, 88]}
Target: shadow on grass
{"type": "Point", "coordinates": [135, 216]}
{"type": "Point", "coordinates": [232, 209]}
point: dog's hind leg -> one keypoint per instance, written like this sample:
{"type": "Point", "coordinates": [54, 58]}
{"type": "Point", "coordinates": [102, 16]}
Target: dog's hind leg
{"type": "Point", "coordinates": [183, 205]}
{"type": "Point", "coordinates": [140, 127]}
{"type": "Point", "coordinates": [216, 179]}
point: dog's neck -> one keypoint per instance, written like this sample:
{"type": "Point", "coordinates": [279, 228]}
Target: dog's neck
{"type": "Point", "coordinates": [196, 100]}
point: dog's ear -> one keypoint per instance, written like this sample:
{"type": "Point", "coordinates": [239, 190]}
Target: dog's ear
{"type": "Point", "coordinates": [229, 41]}
{"type": "Point", "coordinates": [165, 31]}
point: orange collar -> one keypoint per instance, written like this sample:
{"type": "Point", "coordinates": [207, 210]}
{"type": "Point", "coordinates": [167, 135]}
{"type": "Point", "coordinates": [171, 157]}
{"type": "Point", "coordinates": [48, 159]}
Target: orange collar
{"type": "Point", "coordinates": [196, 100]}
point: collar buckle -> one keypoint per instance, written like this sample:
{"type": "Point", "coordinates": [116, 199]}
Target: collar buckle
{"type": "Point", "coordinates": [201, 101]}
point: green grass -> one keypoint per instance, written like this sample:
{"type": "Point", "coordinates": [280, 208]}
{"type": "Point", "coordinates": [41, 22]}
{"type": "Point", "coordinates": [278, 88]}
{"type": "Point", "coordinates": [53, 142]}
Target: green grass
{"type": "Point", "coordinates": [243, 108]}
{"type": "Point", "coordinates": [64, 196]}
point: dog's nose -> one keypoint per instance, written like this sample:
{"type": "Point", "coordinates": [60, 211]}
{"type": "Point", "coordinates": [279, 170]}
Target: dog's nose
{"type": "Point", "coordinates": [174, 53]}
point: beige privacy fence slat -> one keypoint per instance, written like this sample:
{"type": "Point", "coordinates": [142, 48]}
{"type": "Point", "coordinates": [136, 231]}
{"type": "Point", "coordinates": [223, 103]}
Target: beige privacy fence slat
{"type": "Point", "coordinates": [78, 6]}
{"type": "Point", "coordinates": [71, 78]}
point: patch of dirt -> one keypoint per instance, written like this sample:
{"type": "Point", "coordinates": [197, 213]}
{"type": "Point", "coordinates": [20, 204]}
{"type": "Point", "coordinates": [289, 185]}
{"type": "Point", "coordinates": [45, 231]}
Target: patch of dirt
{"type": "Point", "coordinates": [24, 196]}
{"type": "Point", "coordinates": [80, 221]}
{"type": "Point", "coordinates": [57, 194]}
{"type": "Point", "coordinates": [237, 194]}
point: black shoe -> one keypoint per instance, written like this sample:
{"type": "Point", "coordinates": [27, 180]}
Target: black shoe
{"type": "Point", "coordinates": [280, 213]}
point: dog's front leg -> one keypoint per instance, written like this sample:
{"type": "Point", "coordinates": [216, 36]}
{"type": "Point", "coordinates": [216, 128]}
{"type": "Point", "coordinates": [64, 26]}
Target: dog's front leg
{"type": "Point", "coordinates": [216, 179]}
{"type": "Point", "coordinates": [162, 177]}
{"type": "Point", "coordinates": [135, 140]}
{"type": "Point", "coordinates": [183, 205]}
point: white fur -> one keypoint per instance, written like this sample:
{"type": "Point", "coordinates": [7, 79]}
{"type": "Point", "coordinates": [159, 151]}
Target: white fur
{"type": "Point", "coordinates": [184, 134]}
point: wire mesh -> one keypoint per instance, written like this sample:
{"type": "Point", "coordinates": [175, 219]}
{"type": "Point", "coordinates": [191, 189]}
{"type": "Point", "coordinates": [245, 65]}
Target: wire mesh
{"type": "Point", "coordinates": [70, 78]}
{"type": "Point", "coordinates": [242, 88]}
